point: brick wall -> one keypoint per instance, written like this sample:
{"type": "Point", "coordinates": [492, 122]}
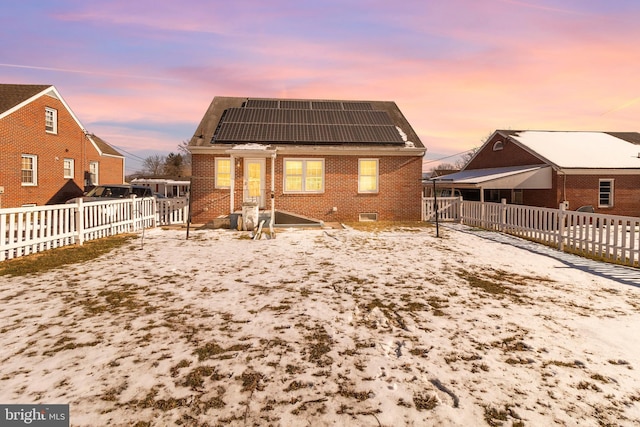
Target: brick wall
{"type": "Point", "coordinates": [398, 198]}
{"type": "Point", "coordinates": [580, 190]}
{"type": "Point", "coordinates": [584, 190]}
{"type": "Point", "coordinates": [510, 155]}
{"type": "Point", "coordinates": [23, 132]}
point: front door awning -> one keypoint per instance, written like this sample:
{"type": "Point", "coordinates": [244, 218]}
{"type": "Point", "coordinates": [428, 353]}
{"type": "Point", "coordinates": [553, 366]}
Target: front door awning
{"type": "Point", "coordinates": [251, 150]}
{"type": "Point", "coordinates": [511, 177]}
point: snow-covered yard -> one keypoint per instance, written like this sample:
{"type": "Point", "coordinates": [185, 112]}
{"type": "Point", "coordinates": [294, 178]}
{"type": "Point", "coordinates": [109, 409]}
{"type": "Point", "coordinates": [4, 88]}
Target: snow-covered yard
{"type": "Point", "coordinates": [324, 327]}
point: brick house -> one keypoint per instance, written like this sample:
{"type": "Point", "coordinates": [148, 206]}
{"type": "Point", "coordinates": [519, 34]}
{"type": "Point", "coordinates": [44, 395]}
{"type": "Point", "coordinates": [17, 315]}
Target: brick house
{"type": "Point", "coordinates": [330, 160]}
{"type": "Point", "coordinates": [46, 155]}
{"type": "Point", "coordinates": [546, 168]}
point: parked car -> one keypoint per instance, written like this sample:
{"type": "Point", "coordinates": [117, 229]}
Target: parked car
{"type": "Point", "coordinates": [114, 191]}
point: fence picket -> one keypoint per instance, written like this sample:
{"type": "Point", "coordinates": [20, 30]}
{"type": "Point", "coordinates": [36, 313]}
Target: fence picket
{"type": "Point", "coordinates": [612, 238]}
{"type": "Point", "coordinates": [28, 230]}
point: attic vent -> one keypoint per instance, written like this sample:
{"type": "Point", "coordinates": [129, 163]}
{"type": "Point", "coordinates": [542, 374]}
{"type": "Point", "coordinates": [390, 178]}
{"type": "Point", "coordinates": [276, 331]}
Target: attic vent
{"type": "Point", "coordinates": [499, 145]}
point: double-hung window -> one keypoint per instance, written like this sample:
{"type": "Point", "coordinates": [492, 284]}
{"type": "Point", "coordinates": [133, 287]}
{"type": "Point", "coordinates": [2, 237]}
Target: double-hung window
{"type": "Point", "coordinates": [367, 175]}
{"type": "Point", "coordinates": [29, 171]}
{"type": "Point", "coordinates": [51, 120]}
{"type": "Point", "coordinates": [605, 193]}
{"type": "Point", "coordinates": [223, 172]}
{"type": "Point", "coordinates": [303, 175]}
{"type": "Point", "coordinates": [68, 168]}
{"type": "Point", "coordinates": [93, 173]}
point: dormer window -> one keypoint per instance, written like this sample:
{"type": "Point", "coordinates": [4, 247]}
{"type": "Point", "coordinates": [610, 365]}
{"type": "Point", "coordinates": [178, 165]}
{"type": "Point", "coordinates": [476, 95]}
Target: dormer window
{"type": "Point", "coordinates": [498, 145]}
{"type": "Point", "coordinates": [51, 120]}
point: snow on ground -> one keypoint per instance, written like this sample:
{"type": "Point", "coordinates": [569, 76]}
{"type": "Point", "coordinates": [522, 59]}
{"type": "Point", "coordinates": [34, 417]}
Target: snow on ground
{"type": "Point", "coordinates": [326, 327]}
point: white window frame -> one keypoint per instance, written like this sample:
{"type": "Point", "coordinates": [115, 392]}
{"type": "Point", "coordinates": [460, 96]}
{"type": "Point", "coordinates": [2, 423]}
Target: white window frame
{"type": "Point", "coordinates": [94, 171]}
{"type": "Point", "coordinates": [51, 120]}
{"type": "Point", "coordinates": [68, 172]}
{"type": "Point", "coordinates": [609, 193]}
{"type": "Point", "coordinates": [217, 178]}
{"type": "Point", "coordinates": [34, 170]}
{"type": "Point", "coordinates": [303, 176]}
{"type": "Point", "coordinates": [360, 176]}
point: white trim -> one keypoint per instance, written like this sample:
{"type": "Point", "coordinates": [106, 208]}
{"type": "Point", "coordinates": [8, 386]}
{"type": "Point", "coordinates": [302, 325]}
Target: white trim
{"type": "Point", "coordinates": [97, 173]}
{"type": "Point", "coordinates": [246, 197]}
{"type": "Point", "coordinates": [315, 151]}
{"type": "Point", "coordinates": [611, 192]}
{"type": "Point", "coordinates": [64, 169]}
{"type": "Point", "coordinates": [34, 170]}
{"type": "Point", "coordinates": [599, 171]}
{"type": "Point", "coordinates": [54, 120]}
{"type": "Point", "coordinates": [377, 189]}
{"type": "Point", "coordinates": [50, 91]}
{"type": "Point", "coordinates": [215, 173]}
{"type": "Point", "coordinates": [367, 216]}
{"type": "Point", "coordinates": [303, 176]}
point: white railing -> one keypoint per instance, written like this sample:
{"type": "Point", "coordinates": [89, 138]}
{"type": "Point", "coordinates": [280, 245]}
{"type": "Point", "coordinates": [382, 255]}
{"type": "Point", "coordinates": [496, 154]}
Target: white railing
{"type": "Point", "coordinates": [609, 237]}
{"type": "Point", "coordinates": [28, 230]}
{"type": "Point", "coordinates": [448, 208]}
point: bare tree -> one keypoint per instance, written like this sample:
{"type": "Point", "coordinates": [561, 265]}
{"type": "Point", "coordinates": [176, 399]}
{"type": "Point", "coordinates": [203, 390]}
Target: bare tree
{"type": "Point", "coordinates": [183, 150]}
{"type": "Point", "coordinates": [153, 165]}
{"type": "Point", "coordinates": [465, 158]}
{"type": "Point", "coordinates": [443, 166]}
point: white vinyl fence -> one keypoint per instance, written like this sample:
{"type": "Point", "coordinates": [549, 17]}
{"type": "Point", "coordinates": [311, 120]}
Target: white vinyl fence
{"type": "Point", "coordinates": [28, 230]}
{"type": "Point", "coordinates": [609, 237]}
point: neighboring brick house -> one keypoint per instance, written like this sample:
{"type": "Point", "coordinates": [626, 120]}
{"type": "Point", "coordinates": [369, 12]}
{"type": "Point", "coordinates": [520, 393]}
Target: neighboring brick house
{"type": "Point", "coordinates": [46, 155]}
{"type": "Point", "coordinates": [330, 160]}
{"type": "Point", "coordinates": [546, 168]}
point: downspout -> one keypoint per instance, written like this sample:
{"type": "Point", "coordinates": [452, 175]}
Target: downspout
{"type": "Point", "coordinates": [273, 192]}
{"type": "Point", "coordinates": [233, 185]}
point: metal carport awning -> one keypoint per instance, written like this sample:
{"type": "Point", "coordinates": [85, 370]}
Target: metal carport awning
{"type": "Point", "coordinates": [504, 178]}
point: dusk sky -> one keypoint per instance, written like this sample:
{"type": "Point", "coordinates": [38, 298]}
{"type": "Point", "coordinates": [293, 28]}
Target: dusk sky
{"type": "Point", "coordinates": [141, 73]}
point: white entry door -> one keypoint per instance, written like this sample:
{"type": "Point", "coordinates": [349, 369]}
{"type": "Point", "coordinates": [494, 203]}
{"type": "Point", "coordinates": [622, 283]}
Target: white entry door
{"type": "Point", "coordinates": [253, 186]}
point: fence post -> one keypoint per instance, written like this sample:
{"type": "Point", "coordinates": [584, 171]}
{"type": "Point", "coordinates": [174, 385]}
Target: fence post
{"type": "Point", "coordinates": [561, 217]}
{"type": "Point", "coordinates": [459, 207]}
{"type": "Point", "coordinates": [503, 214]}
{"type": "Point", "coordinates": [133, 213]}
{"type": "Point", "coordinates": [154, 208]}
{"type": "Point", "coordinates": [80, 221]}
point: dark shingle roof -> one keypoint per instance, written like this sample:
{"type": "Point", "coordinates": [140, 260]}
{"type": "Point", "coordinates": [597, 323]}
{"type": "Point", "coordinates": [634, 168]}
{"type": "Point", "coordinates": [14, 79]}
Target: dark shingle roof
{"type": "Point", "coordinates": [104, 147]}
{"type": "Point", "coordinates": [304, 122]}
{"type": "Point", "coordinates": [13, 94]}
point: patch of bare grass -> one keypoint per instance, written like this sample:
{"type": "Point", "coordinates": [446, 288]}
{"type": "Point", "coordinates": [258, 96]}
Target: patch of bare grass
{"type": "Point", "coordinates": [60, 257]}
{"type": "Point", "coordinates": [376, 226]}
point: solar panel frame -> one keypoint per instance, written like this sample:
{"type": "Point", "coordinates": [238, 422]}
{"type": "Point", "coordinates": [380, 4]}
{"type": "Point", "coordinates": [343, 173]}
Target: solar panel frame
{"type": "Point", "coordinates": [306, 121]}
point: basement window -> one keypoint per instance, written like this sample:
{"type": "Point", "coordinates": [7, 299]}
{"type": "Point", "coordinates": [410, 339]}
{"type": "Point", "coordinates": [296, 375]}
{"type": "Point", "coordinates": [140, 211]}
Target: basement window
{"type": "Point", "coordinates": [367, 217]}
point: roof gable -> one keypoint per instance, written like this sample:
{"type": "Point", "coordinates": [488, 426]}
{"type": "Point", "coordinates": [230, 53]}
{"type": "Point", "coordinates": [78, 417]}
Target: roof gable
{"type": "Point", "coordinates": [21, 95]}
{"type": "Point", "coordinates": [103, 147]}
{"type": "Point", "coordinates": [14, 95]}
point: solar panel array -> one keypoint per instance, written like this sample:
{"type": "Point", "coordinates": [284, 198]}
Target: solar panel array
{"type": "Point", "coordinates": [302, 121]}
